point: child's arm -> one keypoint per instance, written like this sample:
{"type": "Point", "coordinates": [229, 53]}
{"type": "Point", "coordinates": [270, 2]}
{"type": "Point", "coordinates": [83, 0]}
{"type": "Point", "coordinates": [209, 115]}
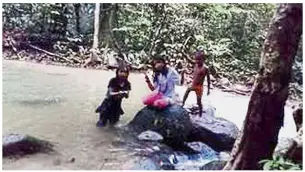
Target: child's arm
{"type": "Point", "coordinates": [112, 93]}
{"type": "Point", "coordinates": [208, 78]}
{"type": "Point", "coordinates": [150, 86]}
{"type": "Point", "coordinates": [126, 92]}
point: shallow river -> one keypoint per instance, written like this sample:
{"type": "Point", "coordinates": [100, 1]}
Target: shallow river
{"type": "Point", "coordinates": [58, 103]}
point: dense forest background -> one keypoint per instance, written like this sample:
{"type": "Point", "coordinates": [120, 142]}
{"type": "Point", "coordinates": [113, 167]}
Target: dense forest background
{"type": "Point", "coordinates": [231, 35]}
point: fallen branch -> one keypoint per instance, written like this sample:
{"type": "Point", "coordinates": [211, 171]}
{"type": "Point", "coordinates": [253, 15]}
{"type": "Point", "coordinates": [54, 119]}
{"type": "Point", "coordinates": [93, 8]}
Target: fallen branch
{"type": "Point", "coordinates": [76, 60]}
{"type": "Point", "coordinates": [230, 90]}
{"type": "Point", "coordinates": [49, 53]}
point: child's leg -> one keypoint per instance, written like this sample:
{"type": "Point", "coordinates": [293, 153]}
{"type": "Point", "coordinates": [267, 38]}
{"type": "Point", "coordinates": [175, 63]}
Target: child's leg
{"type": "Point", "coordinates": [114, 119]}
{"type": "Point", "coordinates": [102, 122]}
{"type": "Point", "coordinates": [199, 92]}
{"type": "Point", "coordinates": [115, 113]}
{"type": "Point", "coordinates": [186, 94]}
{"type": "Point", "coordinates": [151, 98]}
{"type": "Point", "coordinates": [199, 105]}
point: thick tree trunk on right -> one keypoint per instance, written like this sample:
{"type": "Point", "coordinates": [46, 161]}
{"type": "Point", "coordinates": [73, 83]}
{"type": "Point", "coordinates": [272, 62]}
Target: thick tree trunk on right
{"type": "Point", "coordinates": [266, 107]}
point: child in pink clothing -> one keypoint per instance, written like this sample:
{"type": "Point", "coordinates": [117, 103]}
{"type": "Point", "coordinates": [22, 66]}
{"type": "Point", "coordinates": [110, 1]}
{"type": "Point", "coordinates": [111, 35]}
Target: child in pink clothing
{"type": "Point", "coordinates": [164, 79]}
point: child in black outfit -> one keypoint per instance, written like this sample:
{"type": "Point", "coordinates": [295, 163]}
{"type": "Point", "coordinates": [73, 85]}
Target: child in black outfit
{"type": "Point", "coordinates": [118, 88]}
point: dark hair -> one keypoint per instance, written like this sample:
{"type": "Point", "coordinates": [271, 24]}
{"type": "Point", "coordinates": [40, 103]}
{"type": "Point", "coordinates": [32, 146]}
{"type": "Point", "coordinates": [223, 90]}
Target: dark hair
{"type": "Point", "coordinates": [200, 54]}
{"type": "Point", "coordinates": [123, 68]}
{"type": "Point", "coordinates": [160, 58]}
{"type": "Point", "coordinates": [164, 71]}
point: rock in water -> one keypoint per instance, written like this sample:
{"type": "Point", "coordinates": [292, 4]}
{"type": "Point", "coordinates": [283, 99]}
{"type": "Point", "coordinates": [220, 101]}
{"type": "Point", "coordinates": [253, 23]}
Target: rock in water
{"type": "Point", "coordinates": [173, 123]}
{"type": "Point", "coordinates": [18, 144]}
{"type": "Point", "coordinates": [282, 146]}
{"type": "Point", "coordinates": [150, 136]}
{"type": "Point", "coordinates": [203, 149]}
{"type": "Point", "coordinates": [220, 134]}
{"type": "Point", "coordinates": [214, 165]}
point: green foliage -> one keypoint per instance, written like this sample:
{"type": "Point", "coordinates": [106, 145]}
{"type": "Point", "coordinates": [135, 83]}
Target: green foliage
{"type": "Point", "coordinates": [232, 35]}
{"type": "Point", "coordinates": [279, 163]}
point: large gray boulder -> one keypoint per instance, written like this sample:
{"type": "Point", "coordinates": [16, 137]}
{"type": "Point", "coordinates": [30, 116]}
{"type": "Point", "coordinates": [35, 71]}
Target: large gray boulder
{"type": "Point", "coordinates": [178, 125]}
{"type": "Point", "coordinates": [218, 133]}
{"type": "Point", "coordinates": [173, 123]}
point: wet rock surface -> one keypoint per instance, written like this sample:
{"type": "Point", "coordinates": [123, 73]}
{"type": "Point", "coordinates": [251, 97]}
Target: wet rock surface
{"type": "Point", "coordinates": [19, 145]}
{"type": "Point", "coordinates": [214, 165]}
{"type": "Point", "coordinates": [218, 133]}
{"type": "Point", "coordinates": [173, 123]}
{"type": "Point", "coordinates": [150, 136]}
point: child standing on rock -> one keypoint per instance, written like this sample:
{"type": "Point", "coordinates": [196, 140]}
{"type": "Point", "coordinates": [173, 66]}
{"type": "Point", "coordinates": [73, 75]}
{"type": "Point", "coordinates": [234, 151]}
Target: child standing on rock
{"type": "Point", "coordinates": [118, 88]}
{"type": "Point", "coordinates": [200, 72]}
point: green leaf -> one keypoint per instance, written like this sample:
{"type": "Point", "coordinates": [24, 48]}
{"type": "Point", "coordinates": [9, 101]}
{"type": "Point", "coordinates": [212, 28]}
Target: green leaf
{"type": "Point", "coordinates": [294, 168]}
{"type": "Point", "coordinates": [263, 161]}
{"type": "Point", "coordinates": [268, 165]}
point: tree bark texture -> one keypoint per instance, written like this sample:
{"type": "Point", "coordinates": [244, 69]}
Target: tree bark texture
{"type": "Point", "coordinates": [265, 114]}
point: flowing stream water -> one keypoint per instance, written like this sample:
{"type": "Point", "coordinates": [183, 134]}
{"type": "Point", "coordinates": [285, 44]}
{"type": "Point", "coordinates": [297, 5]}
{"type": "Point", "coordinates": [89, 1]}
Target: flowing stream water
{"type": "Point", "coordinates": [57, 104]}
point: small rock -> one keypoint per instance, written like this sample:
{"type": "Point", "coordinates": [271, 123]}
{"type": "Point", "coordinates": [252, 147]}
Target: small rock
{"type": "Point", "coordinates": [150, 136]}
{"type": "Point", "coordinates": [202, 148]}
{"type": "Point", "coordinates": [214, 165]}
{"type": "Point", "coordinates": [72, 159]}
{"type": "Point", "coordinates": [282, 145]}
{"type": "Point", "coordinates": [156, 148]}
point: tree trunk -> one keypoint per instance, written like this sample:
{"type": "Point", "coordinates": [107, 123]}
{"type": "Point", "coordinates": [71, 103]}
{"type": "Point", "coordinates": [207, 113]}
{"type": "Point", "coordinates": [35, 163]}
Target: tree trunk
{"type": "Point", "coordinates": [77, 8]}
{"type": "Point", "coordinates": [266, 107]}
{"type": "Point", "coordinates": [157, 34]}
{"type": "Point", "coordinates": [96, 25]}
{"type": "Point", "coordinates": [113, 23]}
{"type": "Point", "coordinates": [105, 14]}
{"type": "Point", "coordinates": [94, 51]}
